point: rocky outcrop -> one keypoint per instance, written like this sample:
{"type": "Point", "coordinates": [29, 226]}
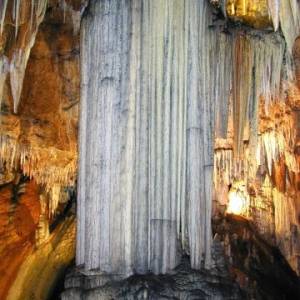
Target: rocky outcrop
{"type": "Point", "coordinates": [257, 266]}
{"type": "Point", "coordinates": [182, 283]}
{"type": "Point", "coordinates": [245, 266]}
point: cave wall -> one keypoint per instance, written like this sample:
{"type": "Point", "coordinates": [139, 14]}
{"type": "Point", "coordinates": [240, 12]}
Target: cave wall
{"type": "Point", "coordinates": [248, 64]}
{"type": "Point", "coordinates": [38, 142]}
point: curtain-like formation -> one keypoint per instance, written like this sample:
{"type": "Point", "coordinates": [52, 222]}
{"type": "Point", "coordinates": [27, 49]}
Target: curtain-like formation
{"type": "Point", "coordinates": [149, 71]}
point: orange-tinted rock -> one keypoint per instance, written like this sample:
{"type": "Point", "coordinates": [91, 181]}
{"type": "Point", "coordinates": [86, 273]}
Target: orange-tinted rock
{"type": "Point", "coordinates": [41, 140]}
{"type": "Point", "coordinates": [252, 12]}
{"type": "Point", "coordinates": [17, 231]}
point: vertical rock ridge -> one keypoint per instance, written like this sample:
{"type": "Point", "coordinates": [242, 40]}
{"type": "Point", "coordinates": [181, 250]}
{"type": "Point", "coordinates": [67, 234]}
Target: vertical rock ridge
{"type": "Point", "coordinates": [152, 88]}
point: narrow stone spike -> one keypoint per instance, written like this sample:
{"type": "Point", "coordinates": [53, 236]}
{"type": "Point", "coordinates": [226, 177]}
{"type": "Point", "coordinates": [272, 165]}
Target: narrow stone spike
{"type": "Point", "coordinates": [274, 7]}
{"type": "Point", "coordinates": [3, 13]}
{"type": "Point", "coordinates": [17, 16]}
{"type": "Point", "coordinates": [31, 14]}
{"type": "Point", "coordinates": [20, 56]}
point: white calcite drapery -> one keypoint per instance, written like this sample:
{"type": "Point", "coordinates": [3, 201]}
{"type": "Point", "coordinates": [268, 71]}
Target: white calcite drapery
{"type": "Point", "coordinates": [148, 70]}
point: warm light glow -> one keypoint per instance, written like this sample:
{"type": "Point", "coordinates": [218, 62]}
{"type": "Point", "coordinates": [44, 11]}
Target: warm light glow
{"type": "Point", "coordinates": [252, 12]}
{"type": "Point", "coordinates": [236, 204]}
{"type": "Point", "coordinates": [238, 199]}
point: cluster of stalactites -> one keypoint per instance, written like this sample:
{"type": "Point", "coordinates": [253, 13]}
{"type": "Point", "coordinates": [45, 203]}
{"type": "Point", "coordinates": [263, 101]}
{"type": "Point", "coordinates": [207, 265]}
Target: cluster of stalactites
{"type": "Point", "coordinates": [253, 70]}
{"type": "Point", "coordinates": [271, 147]}
{"type": "Point", "coordinates": [51, 168]}
{"type": "Point", "coordinates": [25, 16]}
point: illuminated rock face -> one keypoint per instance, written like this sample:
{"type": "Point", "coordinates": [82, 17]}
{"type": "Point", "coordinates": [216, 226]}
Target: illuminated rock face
{"type": "Point", "coordinates": [270, 170]}
{"type": "Point", "coordinates": [265, 14]}
{"type": "Point", "coordinates": [253, 12]}
{"type": "Point", "coordinates": [32, 258]}
{"type": "Point", "coordinates": [41, 139]}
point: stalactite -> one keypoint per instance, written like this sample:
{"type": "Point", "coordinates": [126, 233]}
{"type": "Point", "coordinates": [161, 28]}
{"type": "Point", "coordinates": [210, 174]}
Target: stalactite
{"type": "Point", "coordinates": [46, 166]}
{"type": "Point", "coordinates": [223, 167]}
{"type": "Point", "coordinates": [242, 73]}
{"type": "Point", "coordinates": [270, 147]}
{"type": "Point", "coordinates": [257, 76]}
{"type": "Point", "coordinates": [21, 54]}
{"type": "Point", "coordinates": [222, 85]}
{"type": "Point", "coordinates": [4, 67]}
{"type": "Point", "coordinates": [55, 195]}
{"type": "Point", "coordinates": [274, 8]}
{"type": "Point", "coordinates": [16, 15]}
{"type": "Point", "coordinates": [290, 21]}
{"type": "Point", "coordinates": [3, 13]}
{"type": "Point", "coordinates": [17, 73]}
{"type": "Point", "coordinates": [42, 233]}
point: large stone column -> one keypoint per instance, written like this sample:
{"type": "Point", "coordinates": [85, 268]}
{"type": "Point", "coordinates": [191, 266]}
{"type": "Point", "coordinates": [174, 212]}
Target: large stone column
{"type": "Point", "coordinates": [146, 135]}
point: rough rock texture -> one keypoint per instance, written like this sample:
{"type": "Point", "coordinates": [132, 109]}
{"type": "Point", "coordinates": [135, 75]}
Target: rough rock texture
{"type": "Point", "coordinates": [260, 269]}
{"type": "Point", "coordinates": [240, 255]}
{"type": "Point", "coordinates": [182, 283]}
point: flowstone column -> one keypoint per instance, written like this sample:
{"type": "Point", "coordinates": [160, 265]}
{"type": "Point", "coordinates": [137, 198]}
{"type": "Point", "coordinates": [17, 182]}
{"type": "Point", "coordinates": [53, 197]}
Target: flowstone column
{"type": "Point", "coordinates": [146, 136]}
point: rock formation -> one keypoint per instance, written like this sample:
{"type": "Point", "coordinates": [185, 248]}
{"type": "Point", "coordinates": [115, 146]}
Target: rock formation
{"type": "Point", "coordinates": [188, 170]}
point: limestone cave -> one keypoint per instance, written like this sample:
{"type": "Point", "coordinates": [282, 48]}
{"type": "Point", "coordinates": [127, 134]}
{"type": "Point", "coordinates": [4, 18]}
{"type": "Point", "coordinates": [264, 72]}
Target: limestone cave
{"type": "Point", "coordinates": [149, 149]}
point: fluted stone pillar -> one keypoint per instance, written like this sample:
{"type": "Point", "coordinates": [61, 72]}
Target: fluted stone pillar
{"type": "Point", "coordinates": [146, 135]}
